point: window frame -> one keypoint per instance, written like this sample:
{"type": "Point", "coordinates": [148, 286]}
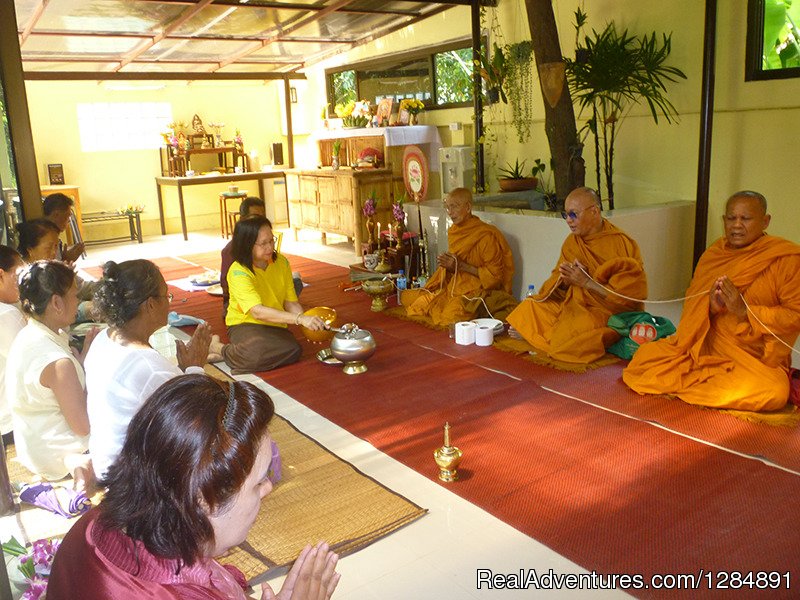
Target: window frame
{"type": "Point", "coordinates": [754, 48]}
{"type": "Point", "coordinates": [427, 53]}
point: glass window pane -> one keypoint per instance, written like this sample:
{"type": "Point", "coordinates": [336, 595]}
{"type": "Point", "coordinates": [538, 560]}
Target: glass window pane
{"type": "Point", "coordinates": [344, 87]}
{"type": "Point", "coordinates": [781, 35]}
{"type": "Point", "coordinates": [404, 80]}
{"type": "Point", "coordinates": [453, 76]}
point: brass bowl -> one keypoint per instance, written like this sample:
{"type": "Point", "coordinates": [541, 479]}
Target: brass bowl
{"type": "Point", "coordinates": [353, 348]}
{"type": "Point", "coordinates": [326, 314]}
{"type": "Point", "coordinates": [379, 289]}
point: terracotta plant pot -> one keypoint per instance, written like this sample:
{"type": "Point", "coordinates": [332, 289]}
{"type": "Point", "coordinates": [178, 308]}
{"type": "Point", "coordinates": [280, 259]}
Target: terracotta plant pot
{"type": "Point", "coordinates": [518, 185]}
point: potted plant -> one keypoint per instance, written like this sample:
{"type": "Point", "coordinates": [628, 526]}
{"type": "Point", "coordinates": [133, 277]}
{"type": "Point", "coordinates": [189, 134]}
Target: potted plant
{"type": "Point", "coordinates": [613, 71]}
{"type": "Point", "coordinates": [515, 178]}
{"type": "Point", "coordinates": [494, 71]}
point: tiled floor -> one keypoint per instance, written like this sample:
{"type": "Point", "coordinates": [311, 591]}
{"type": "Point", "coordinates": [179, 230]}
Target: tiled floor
{"type": "Point", "coordinates": [435, 558]}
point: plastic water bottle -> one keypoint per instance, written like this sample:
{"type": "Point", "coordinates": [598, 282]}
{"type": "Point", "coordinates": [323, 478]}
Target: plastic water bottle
{"type": "Point", "coordinates": [402, 283]}
{"type": "Point", "coordinates": [531, 291]}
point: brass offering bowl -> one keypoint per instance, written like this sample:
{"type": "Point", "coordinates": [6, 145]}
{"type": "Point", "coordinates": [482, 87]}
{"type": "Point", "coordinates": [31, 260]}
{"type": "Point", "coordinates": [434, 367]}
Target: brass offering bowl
{"type": "Point", "coordinates": [326, 314]}
{"type": "Point", "coordinates": [379, 289]}
{"type": "Point", "coordinates": [353, 346]}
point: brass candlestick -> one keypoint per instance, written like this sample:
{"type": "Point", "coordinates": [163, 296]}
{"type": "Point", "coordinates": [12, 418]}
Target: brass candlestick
{"type": "Point", "coordinates": [447, 458]}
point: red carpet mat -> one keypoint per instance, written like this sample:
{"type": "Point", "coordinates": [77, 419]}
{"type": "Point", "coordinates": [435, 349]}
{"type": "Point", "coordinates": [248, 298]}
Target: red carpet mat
{"type": "Point", "coordinates": [614, 494]}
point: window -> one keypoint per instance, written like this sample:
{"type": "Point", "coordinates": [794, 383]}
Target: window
{"type": "Point", "coordinates": [773, 39]}
{"type": "Point", "coordinates": [106, 126]}
{"type": "Point", "coordinates": [343, 87]}
{"type": "Point", "coordinates": [453, 71]}
{"type": "Point", "coordinates": [441, 77]}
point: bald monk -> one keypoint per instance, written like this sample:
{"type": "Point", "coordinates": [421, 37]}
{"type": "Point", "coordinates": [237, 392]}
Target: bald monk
{"type": "Point", "coordinates": [568, 319]}
{"type": "Point", "coordinates": [478, 264]}
{"type": "Point", "coordinates": [721, 356]}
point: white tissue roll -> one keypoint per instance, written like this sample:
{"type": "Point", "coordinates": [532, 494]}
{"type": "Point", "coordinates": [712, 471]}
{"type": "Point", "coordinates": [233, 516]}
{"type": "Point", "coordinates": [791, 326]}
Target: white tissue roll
{"type": "Point", "coordinates": [465, 333]}
{"type": "Point", "coordinates": [484, 336]}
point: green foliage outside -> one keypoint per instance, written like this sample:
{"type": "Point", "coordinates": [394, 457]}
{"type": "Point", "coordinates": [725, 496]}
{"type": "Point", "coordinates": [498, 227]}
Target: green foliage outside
{"type": "Point", "coordinates": [781, 34]}
{"type": "Point", "coordinates": [453, 76]}
{"type": "Point", "coordinates": [344, 87]}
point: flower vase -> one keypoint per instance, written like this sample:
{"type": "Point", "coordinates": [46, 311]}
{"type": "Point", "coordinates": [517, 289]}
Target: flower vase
{"type": "Point", "coordinates": [413, 119]}
{"type": "Point", "coordinates": [335, 162]}
{"type": "Point", "coordinates": [370, 224]}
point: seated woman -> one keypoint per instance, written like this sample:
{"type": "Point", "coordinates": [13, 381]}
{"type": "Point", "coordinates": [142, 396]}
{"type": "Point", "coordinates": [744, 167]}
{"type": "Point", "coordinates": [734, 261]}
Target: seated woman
{"type": "Point", "coordinates": [186, 487]}
{"type": "Point", "coordinates": [11, 323]}
{"type": "Point", "coordinates": [45, 381]}
{"type": "Point", "coordinates": [122, 369]}
{"type": "Point", "coordinates": [262, 303]}
{"type": "Point", "coordinates": [38, 240]}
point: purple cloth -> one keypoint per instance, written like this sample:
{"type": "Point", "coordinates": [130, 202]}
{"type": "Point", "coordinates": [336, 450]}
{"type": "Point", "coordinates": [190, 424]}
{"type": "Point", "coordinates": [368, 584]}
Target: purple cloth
{"type": "Point", "coordinates": [275, 471]}
{"type": "Point", "coordinates": [64, 502]}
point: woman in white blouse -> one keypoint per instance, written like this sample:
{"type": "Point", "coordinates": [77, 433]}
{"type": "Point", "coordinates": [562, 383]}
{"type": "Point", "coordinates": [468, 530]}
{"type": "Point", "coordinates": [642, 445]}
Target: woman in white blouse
{"type": "Point", "coordinates": [11, 323]}
{"type": "Point", "coordinates": [122, 369]}
{"type": "Point", "coordinates": [44, 378]}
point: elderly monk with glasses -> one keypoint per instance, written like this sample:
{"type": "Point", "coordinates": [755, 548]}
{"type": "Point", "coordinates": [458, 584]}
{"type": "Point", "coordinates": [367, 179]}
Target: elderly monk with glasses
{"type": "Point", "coordinates": [568, 319]}
{"type": "Point", "coordinates": [478, 267]}
{"type": "Point", "coordinates": [733, 344]}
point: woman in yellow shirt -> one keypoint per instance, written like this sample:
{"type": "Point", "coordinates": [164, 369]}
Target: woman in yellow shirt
{"type": "Point", "coordinates": [262, 304]}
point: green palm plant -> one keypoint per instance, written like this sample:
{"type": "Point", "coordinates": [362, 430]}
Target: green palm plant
{"type": "Point", "coordinates": [612, 72]}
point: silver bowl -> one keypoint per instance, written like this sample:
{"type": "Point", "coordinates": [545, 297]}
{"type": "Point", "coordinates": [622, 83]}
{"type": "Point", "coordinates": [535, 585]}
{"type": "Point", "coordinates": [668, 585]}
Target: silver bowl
{"type": "Point", "coordinates": [353, 346]}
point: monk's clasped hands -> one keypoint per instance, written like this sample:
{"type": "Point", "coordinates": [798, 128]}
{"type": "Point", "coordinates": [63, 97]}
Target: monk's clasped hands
{"type": "Point", "coordinates": [574, 274]}
{"type": "Point", "coordinates": [726, 297]}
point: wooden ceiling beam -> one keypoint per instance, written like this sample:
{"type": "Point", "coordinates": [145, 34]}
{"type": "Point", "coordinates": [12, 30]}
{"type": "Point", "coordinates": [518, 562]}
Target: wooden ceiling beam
{"type": "Point", "coordinates": [182, 36]}
{"type": "Point", "coordinates": [284, 32]}
{"type": "Point", "coordinates": [374, 36]}
{"type": "Point", "coordinates": [180, 20]}
{"type": "Point", "coordinates": [166, 76]}
{"type": "Point", "coordinates": [37, 14]}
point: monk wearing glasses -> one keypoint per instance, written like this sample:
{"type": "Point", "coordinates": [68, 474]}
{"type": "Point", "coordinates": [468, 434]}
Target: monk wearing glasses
{"type": "Point", "coordinates": [567, 320]}
{"type": "Point", "coordinates": [734, 342]}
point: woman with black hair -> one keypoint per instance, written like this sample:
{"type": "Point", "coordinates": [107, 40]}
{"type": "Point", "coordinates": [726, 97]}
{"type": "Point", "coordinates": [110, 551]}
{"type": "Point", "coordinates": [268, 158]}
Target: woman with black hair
{"type": "Point", "coordinates": [38, 240]}
{"type": "Point", "coordinates": [186, 487]}
{"type": "Point", "coordinates": [262, 303]}
{"type": "Point", "coordinates": [122, 369]}
{"type": "Point", "coordinates": [11, 323]}
{"type": "Point", "coordinates": [45, 380]}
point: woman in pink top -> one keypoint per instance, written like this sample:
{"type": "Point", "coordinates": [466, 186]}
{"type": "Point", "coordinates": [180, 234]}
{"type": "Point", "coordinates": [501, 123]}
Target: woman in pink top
{"type": "Point", "coordinates": [186, 487]}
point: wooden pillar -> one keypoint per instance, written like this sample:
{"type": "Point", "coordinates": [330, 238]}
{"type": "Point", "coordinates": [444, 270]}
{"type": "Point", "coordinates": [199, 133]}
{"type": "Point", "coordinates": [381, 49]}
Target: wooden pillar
{"type": "Point", "coordinates": [289, 134]}
{"type": "Point", "coordinates": [19, 123]}
{"type": "Point", "coordinates": [477, 98]}
{"type": "Point", "coordinates": [706, 129]}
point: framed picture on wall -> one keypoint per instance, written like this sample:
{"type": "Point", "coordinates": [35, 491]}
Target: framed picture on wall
{"type": "Point", "coordinates": [55, 173]}
{"type": "Point", "coordinates": [384, 111]}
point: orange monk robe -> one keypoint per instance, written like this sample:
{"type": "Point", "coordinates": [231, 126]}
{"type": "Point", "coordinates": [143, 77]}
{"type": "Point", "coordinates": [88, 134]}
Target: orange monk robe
{"type": "Point", "coordinates": [442, 299]}
{"type": "Point", "coordinates": [571, 324]}
{"type": "Point", "coordinates": [714, 360]}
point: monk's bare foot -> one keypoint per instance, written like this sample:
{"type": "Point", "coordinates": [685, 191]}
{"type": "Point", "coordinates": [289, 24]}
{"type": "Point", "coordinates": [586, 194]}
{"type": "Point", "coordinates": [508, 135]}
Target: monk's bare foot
{"type": "Point", "coordinates": [514, 334]}
{"type": "Point", "coordinates": [215, 350]}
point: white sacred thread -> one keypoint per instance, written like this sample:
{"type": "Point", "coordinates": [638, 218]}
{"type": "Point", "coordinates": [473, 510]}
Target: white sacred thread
{"type": "Point", "coordinates": [750, 310]}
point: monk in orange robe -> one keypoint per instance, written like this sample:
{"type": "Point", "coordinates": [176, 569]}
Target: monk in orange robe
{"type": "Point", "coordinates": [477, 266]}
{"type": "Point", "coordinates": [724, 354]}
{"type": "Point", "coordinates": [568, 319]}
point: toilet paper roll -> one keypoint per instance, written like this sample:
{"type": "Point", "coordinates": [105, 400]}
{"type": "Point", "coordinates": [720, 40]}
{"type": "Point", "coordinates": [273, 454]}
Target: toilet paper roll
{"type": "Point", "coordinates": [484, 336]}
{"type": "Point", "coordinates": [465, 333]}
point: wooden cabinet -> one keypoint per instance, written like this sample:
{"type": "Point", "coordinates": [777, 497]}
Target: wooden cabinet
{"type": "Point", "coordinates": [330, 201]}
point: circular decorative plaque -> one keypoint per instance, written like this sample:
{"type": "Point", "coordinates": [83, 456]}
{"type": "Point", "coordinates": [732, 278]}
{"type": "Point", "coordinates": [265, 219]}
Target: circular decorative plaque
{"type": "Point", "coordinates": [415, 173]}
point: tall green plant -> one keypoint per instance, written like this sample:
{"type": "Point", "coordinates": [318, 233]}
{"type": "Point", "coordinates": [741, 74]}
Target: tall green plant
{"type": "Point", "coordinates": [612, 72]}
